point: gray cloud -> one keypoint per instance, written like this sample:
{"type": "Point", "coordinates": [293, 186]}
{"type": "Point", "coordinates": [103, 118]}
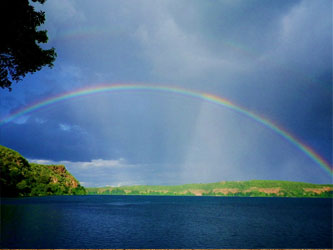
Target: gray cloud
{"type": "Point", "coordinates": [272, 57]}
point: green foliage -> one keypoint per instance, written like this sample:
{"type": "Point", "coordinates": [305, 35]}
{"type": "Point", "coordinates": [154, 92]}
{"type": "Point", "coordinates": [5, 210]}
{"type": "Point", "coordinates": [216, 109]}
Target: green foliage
{"type": "Point", "coordinates": [118, 191]}
{"type": "Point", "coordinates": [14, 169]}
{"type": "Point", "coordinates": [20, 52]}
{"type": "Point", "coordinates": [19, 178]}
{"type": "Point", "coordinates": [253, 188]}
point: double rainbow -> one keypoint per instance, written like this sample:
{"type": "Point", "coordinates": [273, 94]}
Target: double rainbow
{"type": "Point", "coordinates": [180, 91]}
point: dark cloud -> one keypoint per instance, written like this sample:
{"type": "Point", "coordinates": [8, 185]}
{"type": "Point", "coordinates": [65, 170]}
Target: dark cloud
{"type": "Point", "coordinates": [45, 141]}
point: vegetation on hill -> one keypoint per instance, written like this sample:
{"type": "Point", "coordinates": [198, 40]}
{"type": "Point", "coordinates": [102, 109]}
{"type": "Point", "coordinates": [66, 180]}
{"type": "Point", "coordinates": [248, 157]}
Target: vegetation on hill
{"type": "Point", "coordinates": [18, 178]}
{"type": "Point", "coordinates": [254, 188]}
{"type": "Point", "coordinates": [21, 178]}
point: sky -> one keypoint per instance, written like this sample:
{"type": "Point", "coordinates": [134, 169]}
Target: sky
{"type": "Point", "coordinates": [273, 58]}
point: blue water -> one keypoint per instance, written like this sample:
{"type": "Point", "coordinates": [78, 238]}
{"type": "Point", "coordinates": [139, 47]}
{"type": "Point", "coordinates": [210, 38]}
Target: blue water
{"type": "Point", "coordinates": [165, 222]}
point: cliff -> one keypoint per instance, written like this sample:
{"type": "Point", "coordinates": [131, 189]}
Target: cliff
{"type": "Point", "coordinates": [20, 178]}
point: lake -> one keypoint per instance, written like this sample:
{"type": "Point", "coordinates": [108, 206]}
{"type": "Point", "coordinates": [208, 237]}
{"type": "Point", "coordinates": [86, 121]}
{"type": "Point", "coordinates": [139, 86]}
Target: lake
{"type": "Point", "coordinates": [165, 222]}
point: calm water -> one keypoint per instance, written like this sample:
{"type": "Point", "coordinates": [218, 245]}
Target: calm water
{"type": "Point", "coordinates": [165, 222]}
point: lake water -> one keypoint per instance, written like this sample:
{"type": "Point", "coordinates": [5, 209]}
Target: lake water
{"type": "Point", "coordinates": [165, 222]}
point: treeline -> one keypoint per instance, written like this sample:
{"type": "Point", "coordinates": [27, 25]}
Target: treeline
{"type": "Point", "coordinates": [20, 178]}
{"type": "Point", "coordinates": [253, 188]}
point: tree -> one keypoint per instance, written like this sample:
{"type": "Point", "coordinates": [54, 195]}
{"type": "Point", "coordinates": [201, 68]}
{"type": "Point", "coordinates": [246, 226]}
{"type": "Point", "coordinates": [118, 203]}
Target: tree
{"type": "Point", "coordinates": [20, 52]}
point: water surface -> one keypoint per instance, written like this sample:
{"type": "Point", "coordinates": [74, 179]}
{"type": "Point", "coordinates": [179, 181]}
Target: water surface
{"type": "Point", "coordinates": [165, 222]}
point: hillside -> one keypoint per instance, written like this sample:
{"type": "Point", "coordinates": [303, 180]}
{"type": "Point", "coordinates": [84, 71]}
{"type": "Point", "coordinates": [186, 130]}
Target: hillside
{"type": "Point", "coordinates": [20, 178]}
{"type": "Point", "coordinates": [254, 188]}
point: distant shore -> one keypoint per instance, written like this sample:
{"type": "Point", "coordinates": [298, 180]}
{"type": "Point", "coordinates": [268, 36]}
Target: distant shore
{"type": "Point", "coordinates": [253, 188]}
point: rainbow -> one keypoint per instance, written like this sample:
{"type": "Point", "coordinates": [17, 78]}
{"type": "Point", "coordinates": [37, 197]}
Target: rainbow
{"type": "Point", "coordinates": [180, 91]}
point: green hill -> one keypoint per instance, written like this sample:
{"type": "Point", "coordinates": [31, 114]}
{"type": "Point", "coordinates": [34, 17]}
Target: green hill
{"type": "Point", "coordinates": [254, 188]}
{"type": "Point", "coordinates": [18, 178]}
{"type": "Point", "coordinates": [21, 178]}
